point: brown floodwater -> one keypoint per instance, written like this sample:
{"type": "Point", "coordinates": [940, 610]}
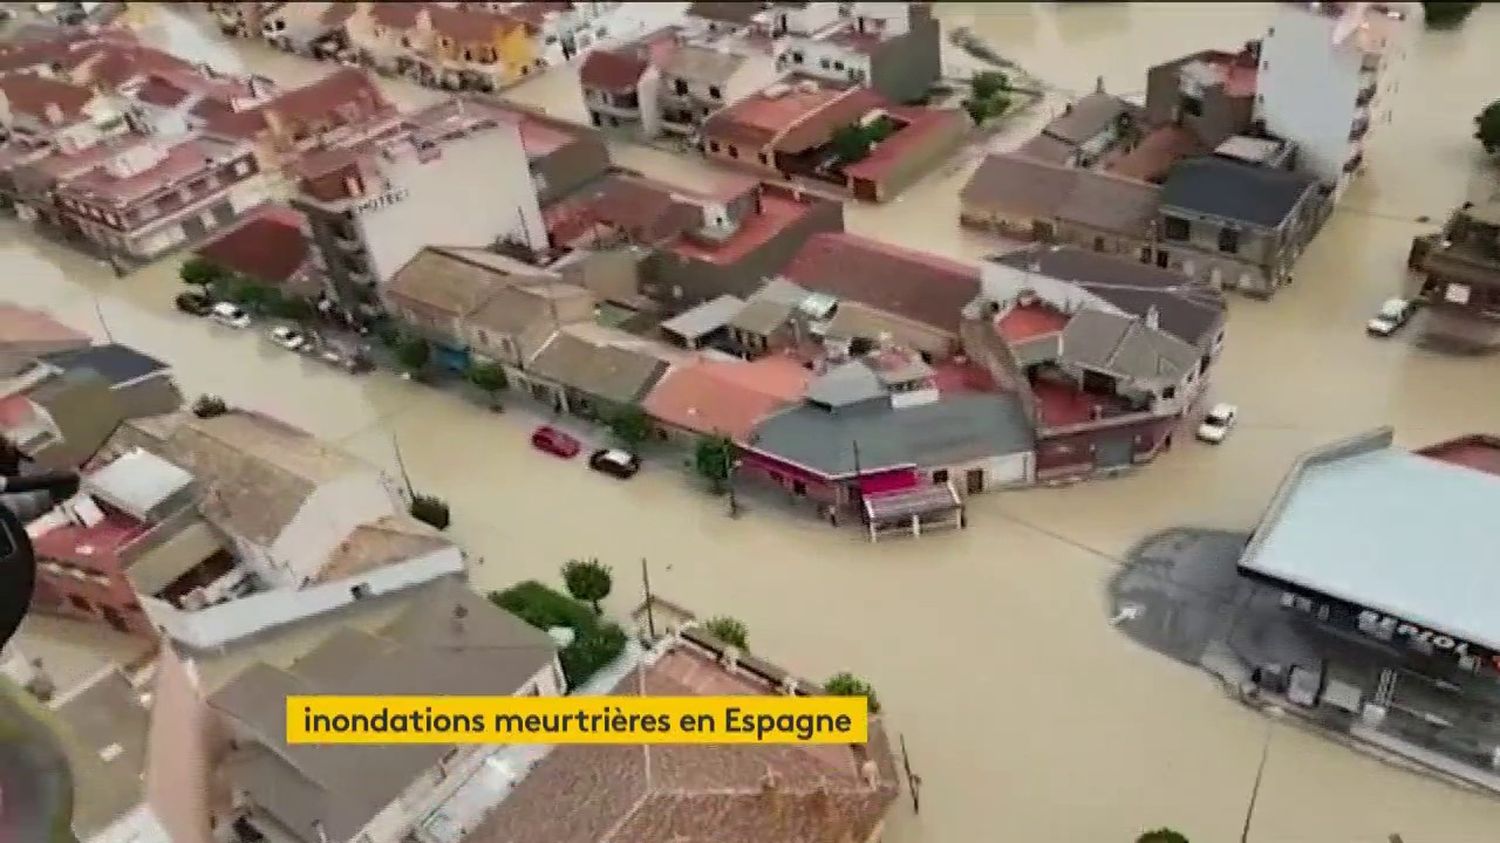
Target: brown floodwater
{"type": "Point", "coordinates": [1027, 715]}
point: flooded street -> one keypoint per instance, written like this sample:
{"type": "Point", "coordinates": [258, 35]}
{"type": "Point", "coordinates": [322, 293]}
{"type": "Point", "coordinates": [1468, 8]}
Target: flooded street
{"type": "Point", "coordinates": [1026, 714]}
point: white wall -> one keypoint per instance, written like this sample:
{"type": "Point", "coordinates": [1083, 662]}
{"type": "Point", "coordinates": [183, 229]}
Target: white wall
{"type": "Point", "coordinates": [326, 518]}
{"type": "Point", "coordinates": [479, 189]}
{"type": "Point", "coordinates": [648, 89]}
{"type": "Point", "coordinates": [815, 51]}
{"type": "Point", "coordinates": [217, 626]}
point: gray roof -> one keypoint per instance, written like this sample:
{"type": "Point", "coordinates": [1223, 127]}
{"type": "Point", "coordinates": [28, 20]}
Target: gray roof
{"type": "Point", "coordinates": [1125, 346]}
{"type": "Point", "coordinates": [1187, 309]}
{"type": "Point", "coordinates": [1025, 185]}
{"type": "Point", "coordinates": [621, 375]}
{"type": "Point", "coordinates": [769, 307]}
{"type": "Point", "coordinates": [951, 430]}
{"type": "Point", "coordinates": [1390, 530]}
{"type": "Point", "coordinates": [1088, 117]}
{"type": "Point", "coordinates": [117, 364]}
{"type": "Point", "coordinates": [846, 384]}
{"type": "Point", "coordinates": [702, 64]}
{"type": "Point", "coordinates": [431, 648]}
{"type": "Point", "coordinates": [705, 318]}
{"type": "Point", "coordinates": [106, 725]}
{"type": "Point", "coordinates": [1219, 187]}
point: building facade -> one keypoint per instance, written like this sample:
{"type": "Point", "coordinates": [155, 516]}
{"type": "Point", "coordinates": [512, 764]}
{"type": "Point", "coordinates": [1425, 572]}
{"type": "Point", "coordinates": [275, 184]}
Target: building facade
{"type": "Point", "coordinates": [1355, 52]}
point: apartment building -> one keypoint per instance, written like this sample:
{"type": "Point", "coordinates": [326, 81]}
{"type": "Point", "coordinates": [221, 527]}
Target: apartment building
{"type": "Point", "coordinates": [1326, 74]}
{"type": "Point", "coordinates": [156, 195]}
{"type": "Point", "coordinates": [1460, 269]}
{"type": "Point", "coordinates": [457, 173]}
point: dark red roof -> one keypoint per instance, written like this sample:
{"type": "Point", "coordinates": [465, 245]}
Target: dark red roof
{"type": "Point", "coordinates": [613, 71]}
{"type": "Point", "coordinates": [396, 15]}
{"type": "Point", "coordinates": [344, 97]}
{"type": "Point", "coordinates": [469, 26]}
{"type": "Point", "coordinates": [158, 91]}
{"type": "Point", "coordinates": [29, 94]}
{"type": "Point", "coordinates": [269, 247]}
{"type": "Point", "coordinates": [917, 285]}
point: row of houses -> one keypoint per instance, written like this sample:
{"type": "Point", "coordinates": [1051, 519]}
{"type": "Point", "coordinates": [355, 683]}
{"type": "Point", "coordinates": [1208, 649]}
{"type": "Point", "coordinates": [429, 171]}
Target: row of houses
{"type": "Point", "coordinates": [768, 87]}
{"type": "Point", "coordinates": [456, 46]}
{"type": "Point", "coordinates": [1231, 165]}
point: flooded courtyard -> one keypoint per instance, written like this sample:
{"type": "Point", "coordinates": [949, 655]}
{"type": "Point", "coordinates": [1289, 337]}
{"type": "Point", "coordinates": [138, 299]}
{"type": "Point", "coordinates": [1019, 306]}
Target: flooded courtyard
{"type": "Point", "coordinates": [1026, 714]}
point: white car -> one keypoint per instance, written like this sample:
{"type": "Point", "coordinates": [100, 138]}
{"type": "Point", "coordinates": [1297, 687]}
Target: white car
{"type": "Point", "coordinates": [1217, 423]}
{"type": "Point", "coordinates": [1392, 315]}
{"type": "Point", "coordinates": [230, 314]}
{"type": "Point", "coordinates": [290, 339]}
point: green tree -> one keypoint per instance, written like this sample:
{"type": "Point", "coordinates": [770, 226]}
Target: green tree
{"type": "Point", "coordinates": [257, 298]}
{"type": "Point", "coordinates": [413, 353]}
{"type": "Point", "coordinates": [851, 143]}
{"type": "Point", "coordinates": [1444, 15]}
{"type": "Point", "coordinates": [631, 426]}
{"type": "Point", "coordinates": [986, 84]}
{"type": "Point", "coordinates": [201, 273]}
{"type": "Point", "coordinates": [849, 685]}
{"type": "Point", "coordinates": [729, 630]}
{"type": "Point", "coordinates": [293, 308]}
{"type": "Point", "coordinates": [489, 378]}
{"type": "Point", "coordinates": [1162, 835]}
{"type": "Point", "coordinates": [1487, 127]}
{"type": "Point", "coordinates": [713, 457]}
{"type": "Point", "coordinates": [588, 580]}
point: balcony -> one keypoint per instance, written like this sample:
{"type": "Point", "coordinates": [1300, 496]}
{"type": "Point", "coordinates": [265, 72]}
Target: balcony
{"type": "Point", "coordinates": [1354, 162]}
{"type": "Point", "coordinates": [1360, 128]}
{"type": "Point", "coordinates": [347, 241]}
{"type": "Point", "coordinates": [1366, 94]}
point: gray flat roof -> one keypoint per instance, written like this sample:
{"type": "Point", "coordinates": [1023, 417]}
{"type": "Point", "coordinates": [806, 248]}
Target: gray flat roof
{"type": "Point", "coordinates": [1390, 530]}
{"type": "Point", "coordinates": [705, 318]}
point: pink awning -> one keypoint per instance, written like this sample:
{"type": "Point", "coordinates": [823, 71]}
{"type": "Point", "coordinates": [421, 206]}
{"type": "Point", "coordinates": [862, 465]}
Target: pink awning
{"type": "Point", "coordinates": [886, 482]}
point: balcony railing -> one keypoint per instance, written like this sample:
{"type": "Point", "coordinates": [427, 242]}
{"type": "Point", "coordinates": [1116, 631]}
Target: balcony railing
{"type": "Point", "coordinates": [1366, 93]}
{"type": "Point", "coordinates": [1359, 129]}
{"type": "Point", "coordinates": [1353, 163]}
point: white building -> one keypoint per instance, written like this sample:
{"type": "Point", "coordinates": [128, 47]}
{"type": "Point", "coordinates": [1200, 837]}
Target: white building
{"type": "Point", "coordinates": [1326, 74]}
{"type": "Point", "coordinates": [455, 174]}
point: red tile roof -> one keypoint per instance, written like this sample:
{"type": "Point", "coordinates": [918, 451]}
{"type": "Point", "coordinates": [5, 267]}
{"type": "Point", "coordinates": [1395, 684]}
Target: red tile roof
{"type": "Point", "coordinates": [802, 793]}
{"type": "Point", "coordinates": [268, 247]}
{"type": "Point", "coordinates": [1156, 153]}
{"type": "Point", "coordinates": [921, 125]}
{"type": "Point", "coordinates": [1479, 452]}
{"type": "Point", "coordinates": [611, 70]}
{"type": "Point", "coordinates": [159, 92]}
{"type": "Point", "coordinates": [345, 97]}
{"type": "Point", "coordinates": [30, 95]}
{"type": "Point", "coordinates": [396, 15]}
{"type": "Point", "coordinates": [469, 26]}
{"type": "Point", "coordinates": [713, 396]}
{"type": "Point", "coordinates": [793, 121]}
{"type": "Point", "coordinates": [919, 286]}
{"type": "Point", "coordinates": [113, 63]}
{"type": "Point", "coordinates": [182, 161]}
{"type": "Point", "coordinates": [1024, 322]}
{"type": "Point", "coordinates": [21, 326]}
{"type": "Point", "coordinates": [82, 545]}
{"type": "Point", "coordinates": [777, 213]}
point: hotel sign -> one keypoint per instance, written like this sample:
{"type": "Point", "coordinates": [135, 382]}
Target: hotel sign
{"type": "Point", "coordinates": [384, 200]}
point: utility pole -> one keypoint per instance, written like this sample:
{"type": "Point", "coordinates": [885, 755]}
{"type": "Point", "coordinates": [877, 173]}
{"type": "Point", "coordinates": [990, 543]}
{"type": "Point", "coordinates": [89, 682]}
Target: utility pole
{"type": "Point", "coordinates": [401, 465]}
{"type": "Point", "coordinates": [650, 613]}
{"type": "Point", "coordinates": [1260, 771]}
{"type": "Point", "coordinates": [103, 323]}
{"type": "Point", "coordinates": [913, 781]}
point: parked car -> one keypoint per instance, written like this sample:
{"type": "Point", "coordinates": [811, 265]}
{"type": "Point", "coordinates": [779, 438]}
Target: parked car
{"type": "Point", "coordinates": [1217, 424]}
{"type": "Point", "coordinates": [1393, 314]}
{"type": "Point", "coordinates": [613, 461]}
{"type": "Point", "coordinates": [194, 303]}
{"type": "Point", "coordinates": [555, 442]}
{"type": "Point", "coordinates": [290, 339]}
{"type": "Point", "coordinates": [353, 362]}
{"type": "Point", "coordinates": [230, 314]}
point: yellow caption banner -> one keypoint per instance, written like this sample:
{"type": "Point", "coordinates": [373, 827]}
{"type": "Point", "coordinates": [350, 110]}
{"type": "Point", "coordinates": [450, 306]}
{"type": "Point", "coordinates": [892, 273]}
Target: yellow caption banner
{"type": "Point", "coordinates": [554, 720]}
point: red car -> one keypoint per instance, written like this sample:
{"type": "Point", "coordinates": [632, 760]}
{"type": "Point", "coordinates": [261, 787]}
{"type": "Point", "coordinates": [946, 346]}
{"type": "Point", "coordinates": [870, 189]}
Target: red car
{"type": "Point", "coordinates": [555, 442]}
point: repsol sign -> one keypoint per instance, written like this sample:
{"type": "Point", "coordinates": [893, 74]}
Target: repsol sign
{"type": "Point", "coordinates": [1439, 642]}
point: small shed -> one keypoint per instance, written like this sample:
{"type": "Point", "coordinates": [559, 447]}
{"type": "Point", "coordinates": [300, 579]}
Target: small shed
{"type": "Point", "coordinates": [914, 510]}
{"type": "Point", "coordinates": [702, 325]}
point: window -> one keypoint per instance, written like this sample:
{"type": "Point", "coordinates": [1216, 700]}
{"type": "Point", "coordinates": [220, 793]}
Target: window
{"type": "Point", "coordinates": [765, 159]}
{"type": "Point", "coordinates": [1098, 244]}
{"type": "Point", "coordinates": [825, 64]}
{"type": "Point", "coordinates": [1145, 254]}
{"type": "Point", "coordinates": [1229, 240]}
{"type": "Point", "coordinates": [80, 603]}
{"type": "Point", "coordinates": [799, 488]}
{"type": "Point", "coordinates": [280, 25]}
{"type": "Point", "coordinates": [1163, 259]}
{"type": "Point", "coordinates": [680, 87]}
{"type": "Point", "coordinates": [1191, 105]}
{"type": "Point", "coordinates": [734, 151]}
{"type": "Point", "coordinates": [1169, 393]}
{"type": "Point", "coordinates": [1176, 228]}
{"type": "Point", "coordinates": [940, 476]}
{"type": "Point", "coordinates": [713, 91]}
{"type": "Point", "coordinates": [797, 56]}
{"type": "Point", "coordinates": [838, 65]}
{"type": "Point", "coordinates": [713, 146]}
